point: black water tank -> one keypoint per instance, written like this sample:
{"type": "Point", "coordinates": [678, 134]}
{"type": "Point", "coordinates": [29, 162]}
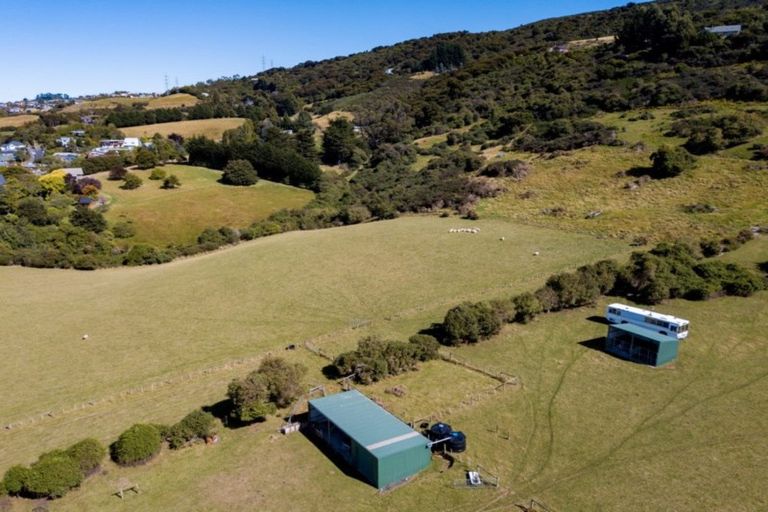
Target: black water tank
{"type": "Point", "coordinates": [439, 431]}
{"type": "Point", "coordinates": [457, 443]}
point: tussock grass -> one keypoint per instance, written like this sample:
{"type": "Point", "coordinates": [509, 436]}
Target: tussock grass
{"type": "Point", "coordinates": [596, 178]}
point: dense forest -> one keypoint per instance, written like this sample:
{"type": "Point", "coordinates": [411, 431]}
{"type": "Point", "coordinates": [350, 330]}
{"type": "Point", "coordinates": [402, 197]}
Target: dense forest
{"type": "Point", "coordinates": [531, 89]}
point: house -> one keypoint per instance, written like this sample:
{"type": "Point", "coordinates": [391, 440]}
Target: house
{"type": "Point", "coordinates": [7, 159]}
{"type": "Point", "coordinates": [376, 444]}
{"type": "Point", "coordinates": [641, 345]}
{"type": "Point", "coordinates": [12, 147]}
{"type": "Point", "coordinates": [85, 201]}
{"type": "Point", "coordinates": [66, 157]}
{"type": "Point", "coordinates": [64, 141]}
{"type": "Point", "coordinates": [724, 30]}
{"type": "Point", "coordinates": [75, 172]}
{"type": "Point", "coordinates": [131, 142]}
{"type": "Point", "coordinates": [77, 133]}
{"type": "Point", "coordinates": [2, 180]}
{"type": "Point", "coordinates": [111, 143]}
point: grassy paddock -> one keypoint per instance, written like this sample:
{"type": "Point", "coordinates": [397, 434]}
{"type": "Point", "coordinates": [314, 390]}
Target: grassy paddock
{"type": "Point", "coordinates": [151, 324]}
{"type": "Point", "coordinates": [211, 128]}
{"type": "Point", "coordinates": [18, 121]}
{"type": "Point", "coordinates": [579, 419]}
{"type": "Point", "coordinates": [173, 101]}
{"type": "Point", "coordinates": [178, 216]}
{"type": "Point", "coordinates": [170, 101]}
{"type": "Point", "coordinates": [584, 431]}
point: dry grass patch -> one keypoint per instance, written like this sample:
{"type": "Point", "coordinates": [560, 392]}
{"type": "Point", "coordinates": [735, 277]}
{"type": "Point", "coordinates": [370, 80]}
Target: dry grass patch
{"type": "Point", "coordinates": [177, 100]}
{"type": "Point", "coordinates": [322, 122]}
{"type": "Point", "coordinates": [18, 121]}
{"type": "Point", "coordinates": [423, 75]}
{"type": "Point", "coordinates": [211, 128]}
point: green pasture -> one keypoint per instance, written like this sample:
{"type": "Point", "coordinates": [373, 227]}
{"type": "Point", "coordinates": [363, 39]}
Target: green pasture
{"type": "Point", "coordinates": [178, 216]}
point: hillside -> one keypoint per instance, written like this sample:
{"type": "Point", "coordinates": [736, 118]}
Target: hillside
{"type": "Point", "coordinates": [210, 128]}
{"type": "Point", "coordinates": [164, 217]}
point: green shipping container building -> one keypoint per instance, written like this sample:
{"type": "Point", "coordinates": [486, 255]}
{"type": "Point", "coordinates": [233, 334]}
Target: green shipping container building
{"type": "Point", "coordinates": [641, 345]}
{"type": "Point", "coordinates": [379, 446]}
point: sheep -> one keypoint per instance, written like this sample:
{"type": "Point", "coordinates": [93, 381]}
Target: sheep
{"type": "Point", "coordinates": [536, 253]}
{"type": "Point", "coordinates": [502, 239]}
{"type": "Point", "coordinates": [85, 337]}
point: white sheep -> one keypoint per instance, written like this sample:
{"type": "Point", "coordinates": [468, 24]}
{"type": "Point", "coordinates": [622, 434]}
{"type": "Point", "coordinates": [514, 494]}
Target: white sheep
{"type": "Point", "coordinates": [85, 337]}
{"type": "Point", "coordinates": [536, 253]}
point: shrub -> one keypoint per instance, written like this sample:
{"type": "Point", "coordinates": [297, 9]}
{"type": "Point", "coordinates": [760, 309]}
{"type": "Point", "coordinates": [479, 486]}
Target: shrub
{"type": "Point", "coordinates": [426, 346]}
{"type": "Point", "coordinates": [90, 220]}
{"type": "Point", "coordinates": [504, 309]}
{"type": "Point", "coordinates": [171, 181]}
{"type": "Point", "coordinates": [527, 306]}
{"type": "Point", "coordinates": [669, 162]}
{"type": "Point", "coordinates": [123, 230]}
{"type": "Point", "coordinates": [136, 445]}
{"type": "Point", "coordinates": [515, 169]}
{"type": "Point", "coordinates": [284, 380]}
{"type": "Point", "coordinates": [131, 181]}
{"type": "Point", "coordinates": [52, 476]}
{"type": "Point", "coordinates": [117, 173]}
{"type": "Point", "coordinates": [240, 172]}
{"type": "Point", "coordinates": [710, 247]}
{"type": "Point", "coordinates": [146, 159]}
{"type": "Point", "coordinates": [195, 425]}
{"type": "Point", "coordinates": [157, 174]}
{"type": "Point", "coordinates": [143, 254]}
{"type": "Point", "coordinates": [88, 455]}
{"type": "Point", "coordinates": [250, 398]}
{"type": "Point", "coordinates": [15, 480]}
{"type": "Point", "coordinates": [470, 323]}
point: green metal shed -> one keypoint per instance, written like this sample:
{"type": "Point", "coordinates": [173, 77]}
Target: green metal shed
{"type": "Point", "coordinates": [382, 448]}
{"type": "Point", "coordinates": [641, 345]}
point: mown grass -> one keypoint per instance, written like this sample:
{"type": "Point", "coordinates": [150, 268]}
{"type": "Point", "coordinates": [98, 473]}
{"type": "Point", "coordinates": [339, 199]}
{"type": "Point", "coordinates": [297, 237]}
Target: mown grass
{"type": "Point", "coordinates": [163, 216]}
{"type": "Point", "coordinates": [174, 322]}
{"type": "Point", "coordinates": [211, 128]}
{"type": "Point", "coordinates": [18, 121]}
{"type": "Point", "coordinates": [583, 431]}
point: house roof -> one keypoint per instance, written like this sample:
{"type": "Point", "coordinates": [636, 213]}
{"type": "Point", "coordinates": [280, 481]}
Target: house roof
{"type": "Point", "coordinates": [370, 425]}
{"type": "Point", "coordinates": [645, 333]}
{"type": "Point", "coordinates": [2, 180]}
{"type": "Point", "coordinates": [723, 28]}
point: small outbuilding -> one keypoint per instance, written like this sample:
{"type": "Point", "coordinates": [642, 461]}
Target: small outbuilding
{"type": "Point", "coordinates": [378, 445]}
{"type": "Point", "coordinates": [641, 345]}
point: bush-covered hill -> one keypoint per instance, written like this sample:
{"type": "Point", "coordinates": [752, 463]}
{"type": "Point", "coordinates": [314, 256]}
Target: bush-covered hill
{"type": "Point", "coordinates": [540, 89]}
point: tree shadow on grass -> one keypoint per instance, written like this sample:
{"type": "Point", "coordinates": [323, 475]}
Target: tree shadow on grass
{"type": "Point", "coordinates": [639, 171]}
{"type": "Point", "coordinates": [222, 410]}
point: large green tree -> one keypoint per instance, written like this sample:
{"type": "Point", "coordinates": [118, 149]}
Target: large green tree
{"type": "Point", "coordinates": [339, 142]}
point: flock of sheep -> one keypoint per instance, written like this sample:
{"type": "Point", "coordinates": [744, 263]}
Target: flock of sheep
{"type": "Point", "coordinates": [464, 230]}
{"type": "Point", "coordinates": [477, 230]}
